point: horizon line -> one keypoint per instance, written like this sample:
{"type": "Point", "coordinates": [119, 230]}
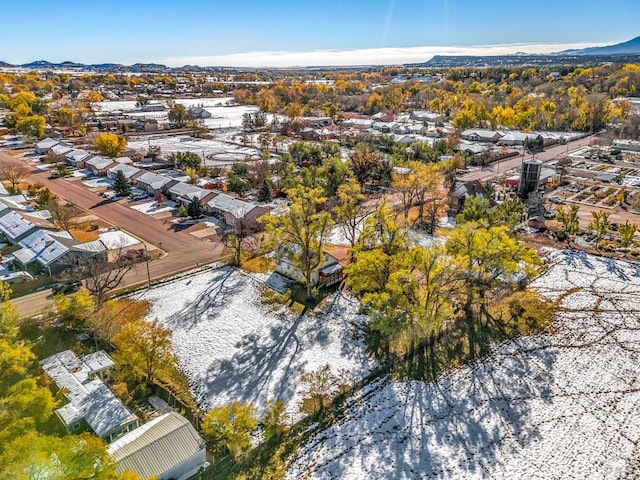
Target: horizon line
{"type": "Point", "coordinates": [348, 57]}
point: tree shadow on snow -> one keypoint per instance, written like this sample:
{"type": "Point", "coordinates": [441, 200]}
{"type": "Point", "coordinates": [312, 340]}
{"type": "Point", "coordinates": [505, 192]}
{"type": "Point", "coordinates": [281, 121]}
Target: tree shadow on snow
{"type": "Point", "coordinates": [458, 425]}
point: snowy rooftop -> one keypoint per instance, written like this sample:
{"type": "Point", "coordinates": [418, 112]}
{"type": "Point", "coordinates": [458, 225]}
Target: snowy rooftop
{"type": "Point", "coordinates": [127, 170]}
{"type": "Point", "coordinates": [89, 399]}
{"type": "Point", "coordinates": [43, 247]}
{"type": "Point", "coordinates": [13, 226]}
{"type": "Point", "coordinates": [228, 204]}
{"type": "Point", "coordinates": [99, 162]}
{"type": "Point", "coordinates": [153, 180]}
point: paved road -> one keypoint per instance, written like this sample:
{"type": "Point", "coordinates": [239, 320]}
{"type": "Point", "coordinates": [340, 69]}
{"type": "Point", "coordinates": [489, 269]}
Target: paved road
{"type": "Point", "coordinates": [497, 168]}
{"type": "Point", "coordinates": [29, 305]}
{"type": "Point", "coordinates": [183, 251]}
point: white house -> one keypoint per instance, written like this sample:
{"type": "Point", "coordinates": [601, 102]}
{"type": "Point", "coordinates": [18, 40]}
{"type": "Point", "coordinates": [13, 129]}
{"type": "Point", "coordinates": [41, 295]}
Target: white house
{"type": "Point", "coordinates": [329, 271]}
{"type": "Point", "coordinates": [77, 157]}
{"type": "Point", "coordinates": [91, 403]}
{"type": "Point", "coordinates": [168, 447]}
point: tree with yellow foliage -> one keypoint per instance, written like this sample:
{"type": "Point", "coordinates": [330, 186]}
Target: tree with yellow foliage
{"type": "Point", "coordinates": [110, 144]}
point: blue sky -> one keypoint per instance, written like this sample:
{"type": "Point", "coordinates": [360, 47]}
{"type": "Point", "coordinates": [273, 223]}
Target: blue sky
{"type": "Point", "coordinates": [287, 32]}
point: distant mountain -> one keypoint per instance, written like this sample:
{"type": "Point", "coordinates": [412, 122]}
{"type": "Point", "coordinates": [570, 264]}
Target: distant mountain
{"type": "Point", "coordinates": [631, 47]}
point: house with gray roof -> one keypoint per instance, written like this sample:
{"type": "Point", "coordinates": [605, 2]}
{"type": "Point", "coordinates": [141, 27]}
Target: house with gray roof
{"type": "Point", "coordinates": [167, 447]}
{"type": "Point", "coordinates": [482, 135]}
{"type": "Point", "coordinates": [14, 227]}
{"type": "Point", "coordinates": [99, 165]}
{"type": "Point", "coordinates": [153, 184]}
{"type": "Point", "coordinates": [129, 171]}
{"type": "Point", "coordinates": [77, 157]}
{"type": "Point", "coordinates": [91, 404]}
{"type": "Point", "coordinates": [184, 193]}
{"type": "Point", "coordinates": [55, 251]}
{"type": "Point", "coordinates": [43, 146]}
{"type": "Point", "coordinates": [233, 210]}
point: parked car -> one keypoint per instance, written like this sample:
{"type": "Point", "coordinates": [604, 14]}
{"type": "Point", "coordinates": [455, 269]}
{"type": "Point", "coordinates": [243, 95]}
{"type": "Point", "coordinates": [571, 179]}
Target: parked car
{"type": "Point", "coordinates": [54, 175]}
{"type": "Point", "coordinates": [66, 288]}
{"type": "Point", "coordinates": [550, 214]}
{"type": "Point", "coordinates": [138, 196]}
{"type": "Point", "coordinates": [556, 200]}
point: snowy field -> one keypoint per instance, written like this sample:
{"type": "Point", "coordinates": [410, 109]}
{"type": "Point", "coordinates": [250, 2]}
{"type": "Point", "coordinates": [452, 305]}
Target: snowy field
{"type": "Point", "coordinates": [220, 152]}
{"type": "Point", "coordinates": [223, 115]}
{"type": "Point", "coordinates": [232, 348]}
{"type": "Point", "coordinates": [554, 406]}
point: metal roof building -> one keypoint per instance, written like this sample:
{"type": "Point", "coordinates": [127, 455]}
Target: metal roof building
{"type": "Point", "coordinates": [166, 447]}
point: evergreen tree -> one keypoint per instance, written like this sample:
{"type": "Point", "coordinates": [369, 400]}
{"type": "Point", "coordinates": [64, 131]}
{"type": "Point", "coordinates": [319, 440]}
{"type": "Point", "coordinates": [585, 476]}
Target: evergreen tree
{"type": "Point", "coordinates": [264, 194]}
{"type": "Point", "coordinates": [121, 186]}
{"type": "Point", "coordinates": [195, 209]}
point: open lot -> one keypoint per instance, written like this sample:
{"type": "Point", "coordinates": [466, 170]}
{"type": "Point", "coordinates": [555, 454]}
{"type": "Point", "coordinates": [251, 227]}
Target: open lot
{"type": "Point", "coordinates": [216, 152]}
{"type": "Point", "coordinates": [552, 406]}
{"type": "Point", "coordinates": [233, 347]}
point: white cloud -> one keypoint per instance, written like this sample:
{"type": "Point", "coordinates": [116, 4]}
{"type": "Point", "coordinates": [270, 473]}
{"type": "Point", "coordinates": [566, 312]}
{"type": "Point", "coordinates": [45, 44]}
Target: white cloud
{"type": "Point", "coordinates": [369, 56]}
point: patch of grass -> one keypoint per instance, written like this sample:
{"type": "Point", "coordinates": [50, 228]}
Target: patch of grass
{"type": "Point", "coordinates": [256, 264]}
{"type": "Point", "coordinates": [84, 236]}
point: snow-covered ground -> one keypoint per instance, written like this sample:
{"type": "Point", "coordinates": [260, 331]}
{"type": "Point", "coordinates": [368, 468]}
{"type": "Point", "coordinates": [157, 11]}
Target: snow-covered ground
{"type": "Point", "coordinates": [220, 153]}
{"type": "Point", "coordinates": [98, 182]}
{"type": "Point", "coordinates": [233, 348]}
{"type": "Point", "coordinates": [151, 208]}
{"type": "Point", "coordinates": [553, 406]}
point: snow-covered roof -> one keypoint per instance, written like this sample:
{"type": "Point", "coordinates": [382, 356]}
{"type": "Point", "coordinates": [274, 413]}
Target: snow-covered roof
{"type": "Point", "coordinates": [46, 144]}
{"type": "Point", "coordinates": [89, 398]}
{"type": "Point", "coordinates": [97, 361]}
{"type": "Point", "coordinates": [187, 191]}
{"type": "Point", "coordinates": [14, 226]}
{"type": "Point", "coordinates": [123, 160]}
{"type": "Point", "coordinates": [78, 155]}
{"type": "Point", "coordinates": [99, 162]}
{"type": "Point", "coordinates": [153, 180]}
{"type": "Point", "coordinates": [43, 247]}
{"type": "Point", "coordinates": [157, 446]}
{"type": "Point", "coordinates": [228, 204]}
{"type": "Point", "coordinates": [3, 190]}
{"type": "Point", "coordinates": [60, 149]}
{"type": "Point", "coordinates": [127, 170]}
{"type": "Point", "coordinates": [115, 240]}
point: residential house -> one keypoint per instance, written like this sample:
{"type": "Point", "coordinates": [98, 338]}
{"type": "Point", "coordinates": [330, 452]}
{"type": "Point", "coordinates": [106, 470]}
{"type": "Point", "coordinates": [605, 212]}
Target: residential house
{"type": "Point", "coordinates": [516, 138]}
{"type": "Point", "coordinates": [316, 122]}
{"type": "Point", "coordinates": [154, 106]}
{"type": "Point", "coordinates": [385, 117]}
{"type": "Point", "coordinates": [482, 135]}
{"type": "Point", "coordinates": [59, 150]}
{"type": "Point", "coordinates": [233, 210]}
{"type": "Point", "coordinates": [55, 251]}
{"type": "Point", "coordinates": [358, 123]}
{"type": "Point", "coordinates": [13, 226]}
{"type": "Point", "coordinates": [43, 146]}
{"type": "Point", "coordinates": [426, 116]}
{"type": "Point", "coordinates": [328, 273]}
{"type": "Point", "coordinates": [184, 193]}
{"type": "Point", "coordinates": [168, 447]}
{"type": "Point", "coordinates": [91, 404]}
{"type": "Point", "coordinates": [77, 157]}
{"type": "Point", "coordinates": [199, 112]}
{"type": "Point", "coordinates": [129, 171]}
{"type": "Point", "coordinates": [153, 184]}
{"type": "Point", "coordinates": [99, 165]}
{"type": "Point", "coordinates": [123, 160]}
{"type": "Point", "coordinates": [461, 191]}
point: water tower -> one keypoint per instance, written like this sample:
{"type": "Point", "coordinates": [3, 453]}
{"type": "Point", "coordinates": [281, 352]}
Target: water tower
{"type": "Point", "coordinates": [529, 177]}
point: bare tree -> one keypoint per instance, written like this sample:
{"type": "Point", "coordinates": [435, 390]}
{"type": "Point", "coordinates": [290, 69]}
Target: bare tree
{"type": "Point", "coordinates": [13, 174]}
{"type": "Point", "coordinates": [238, 239]}
{"type": "Point", "coordinates": [62, 213]}
{"type": "Point", "coordinates": [101, 275]}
